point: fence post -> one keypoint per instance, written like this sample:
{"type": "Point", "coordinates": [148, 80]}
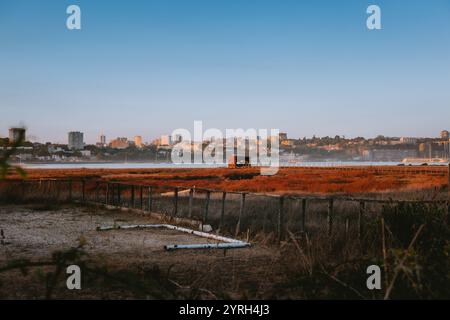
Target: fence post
{"type": "Point", "coordinates": [46, 188]}
{"type": "Point", "coordinates": [70, 190]}
{"type": "Point", "coordinates": [132, 196]}
{"type": "Point", "coordinates": [346, 228]}
{"type": "Point", "coordinates": [222, 212]}
{"type": "Point", "coordinates": [119, 201]}
{"type": "Point", "coordinates": [241, 214]}
{"type": "Point", "coordinates": [205, 214]}
{"type": "Point", "coordinates": [362, 209]}
{"type": "Point", "coordinates": [58, 189]}
{"type": "Point", "coordinates": [448, 200]}
{"type": "Point", "coordinates": [191, 200]}
{"type": "Point", "coordinates": [304, 204]}
{"type": "Point", "coordinates": [107, 193]}
{"type": "Point", "coordinates": [330, 216]}
{"type": "Point", "coordinates": [23, 189]}
{"type": "Point", "coordinates": [97, 196]}
{"type": "Point", "coordinates": [83, 190]}
{"type": "Point", "coordinates": [55, 189]}
{"type": "Point", "coordinates": [264, 220]}
{"type": "Point", "coordinates": [141, 195]}
{"type": "Point", "coordinates": [175, 202]}
{"type": "Point", "coordinates": [280, 219]}
{"type": "Point", "coordinates": [149, 190]}
{"type": "Point", "coordinates": [113, 194]}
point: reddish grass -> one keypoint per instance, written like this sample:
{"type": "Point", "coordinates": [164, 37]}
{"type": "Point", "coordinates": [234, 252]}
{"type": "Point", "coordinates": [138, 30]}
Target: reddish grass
{"type": "Point", "coordinates": [292, 180]}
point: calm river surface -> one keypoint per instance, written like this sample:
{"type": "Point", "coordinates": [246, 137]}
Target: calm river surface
{"type": "Point", "coordinates": [144, 165]}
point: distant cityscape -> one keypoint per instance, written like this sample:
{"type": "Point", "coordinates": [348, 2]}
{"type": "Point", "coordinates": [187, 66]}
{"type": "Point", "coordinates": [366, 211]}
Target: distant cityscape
{"type": "Point", "coordinates": [292, 150]}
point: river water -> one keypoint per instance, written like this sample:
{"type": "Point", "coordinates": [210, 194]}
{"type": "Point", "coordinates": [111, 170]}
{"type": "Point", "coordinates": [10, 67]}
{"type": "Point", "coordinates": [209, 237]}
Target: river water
{"type": "Point", "coordinates": [148, 165]}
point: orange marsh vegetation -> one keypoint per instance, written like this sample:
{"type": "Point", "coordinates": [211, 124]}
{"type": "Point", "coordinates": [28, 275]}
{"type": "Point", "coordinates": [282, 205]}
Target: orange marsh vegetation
{"type": "Point", "coordinates": [287, 180]}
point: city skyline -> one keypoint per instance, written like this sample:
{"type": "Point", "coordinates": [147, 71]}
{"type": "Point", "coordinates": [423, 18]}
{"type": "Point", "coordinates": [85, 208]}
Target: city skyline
{"type": "Point", "coordinates": [102, 139]}
{"type": "Point", "coordinates": [307, 68]}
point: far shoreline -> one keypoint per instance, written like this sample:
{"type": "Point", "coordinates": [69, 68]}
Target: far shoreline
{"type": "Point", "coordinates": [169, 165]}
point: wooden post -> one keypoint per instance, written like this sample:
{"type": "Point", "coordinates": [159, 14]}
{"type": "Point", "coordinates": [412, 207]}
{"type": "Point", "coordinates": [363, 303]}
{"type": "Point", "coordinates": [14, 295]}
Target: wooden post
{"type": "Point", "coordinates": [264, 220]}
{"type": "Point", "coordinates": [191, 202]}
{"type": "Point", "coordinates": [83, 185]}
{"type": "Point", "coordinates": [222, 212]}
{"type": "Point", "coordinates": [141, 197]}
{"type": "Point", "coordinates": [362, 209]}
{"type": "Point", "coordinates": [107, 194]}
{"type": "Point", "coordinates": [97, 195]}
{"type": "Point", "coordinates": [205, 213]}
{"type": "Point", "coordinates": [304, 204]}
{"type": "Point", "coordinates": [58, 188]}
{"type": "Point", "coordinates": [448, 200]}
{"type": "Point", "coordinates": [132, 196]}
{"type": "Point", "coordinates": [175, 202]}
{"type": "Point", "coordinates": [280, 219]}
{"type": "Point", "coordinates": [330, 216]}
{"type": "Point", "coordinates": [22, 190]}
{"type": "Point", "coordinates": [119, 201]}
{"type": "Point", "coordinates": [150, 200]}
{"type": "Point", "coordinates": [346, 228]}
{"type": "Point", "coordinates": [241, 214]}
{"type": "Point", "coordinates": [113, 194]}
{"type": "Point", "coordinates": [70, 190]}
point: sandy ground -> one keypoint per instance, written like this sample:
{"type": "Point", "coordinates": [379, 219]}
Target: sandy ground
{"type": "Point", "coordinates": [35, 231]}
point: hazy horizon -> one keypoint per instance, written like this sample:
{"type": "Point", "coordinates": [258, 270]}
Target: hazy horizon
{"type": "Point", "coordinates": [304, 67]}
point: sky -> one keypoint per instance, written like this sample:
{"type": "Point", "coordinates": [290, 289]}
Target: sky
{"type": "Point", "coordinates": [306, 67]}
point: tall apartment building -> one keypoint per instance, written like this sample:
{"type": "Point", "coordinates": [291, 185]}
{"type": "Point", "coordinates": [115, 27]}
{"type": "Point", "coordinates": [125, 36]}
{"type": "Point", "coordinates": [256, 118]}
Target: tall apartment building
{"type": "Point", "coordinates": [138, 141]}
{"type": "Point", "coordinates": [102, 139]}
{"type": "Point", "coordinates": [15, 134]}
{"type": "Point", "coordinates": [75, 140]}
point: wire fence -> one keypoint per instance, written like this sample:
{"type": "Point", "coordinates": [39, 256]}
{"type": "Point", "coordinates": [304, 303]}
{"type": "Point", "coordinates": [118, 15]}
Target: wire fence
{"type": "Point", "coordinates": [230, 213]}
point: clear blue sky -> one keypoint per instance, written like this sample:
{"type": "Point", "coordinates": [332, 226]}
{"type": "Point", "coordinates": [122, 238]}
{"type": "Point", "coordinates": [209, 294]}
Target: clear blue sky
{"type": "Point", "coordinates": [147, 67]}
